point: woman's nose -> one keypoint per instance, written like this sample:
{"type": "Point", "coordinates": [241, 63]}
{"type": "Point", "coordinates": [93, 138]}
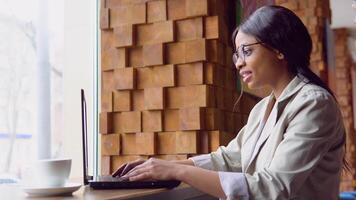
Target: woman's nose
{"type": "Point", "coordinates": [240, 63]}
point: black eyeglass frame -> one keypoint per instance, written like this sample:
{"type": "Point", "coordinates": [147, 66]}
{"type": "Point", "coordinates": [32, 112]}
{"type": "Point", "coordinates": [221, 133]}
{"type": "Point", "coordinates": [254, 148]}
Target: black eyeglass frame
{"type": "Point", "coordinates": [236, 56]}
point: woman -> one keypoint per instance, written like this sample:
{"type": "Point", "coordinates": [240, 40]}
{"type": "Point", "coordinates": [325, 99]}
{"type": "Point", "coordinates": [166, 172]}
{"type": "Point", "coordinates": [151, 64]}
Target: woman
{"type": "Point", "coordinates": [292, 146]}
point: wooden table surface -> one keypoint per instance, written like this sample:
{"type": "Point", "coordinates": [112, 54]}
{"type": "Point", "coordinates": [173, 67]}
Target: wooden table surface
{"type": "Point", "coordinates": [183, 191]}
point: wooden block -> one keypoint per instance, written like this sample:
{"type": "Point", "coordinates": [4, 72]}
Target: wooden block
{"type": "Point", "coordinates": [103, 4]}
{"type": "Point", "coordinates": [211, 27]}
{"type": "Point", "coordinates": [195, 50]}
{"type": "Point", "coordinates": [113, 58]}
{"type": "Point", "coordinates": [117, 161]}
{"type": "Point", "coordinates": [160, 32]}
{"type": "Point", "coordinates": [106, 123]}
{"type": "Point", "coordinates": [128, 144]}
{"type": "Point", "coordinates": [154, 98]}
{"type": "Point", "coordinates": [163, 76]}
{"type": "Point", "coordinates": [219, 138]}
{"type": "Point", "coordinates": [119, 3]}
{"type": "Point", "coordinates": [144, 78]}
{"type": "Point", "coordinates": [105, 165]}
{"type": "Point", "coordinates": [124, 36]}
{"type": "Point", "coordinates": [176, 9]}
{"type": "Point", "coordinates": [107, 39]}
{"type": "Point", "coordinates": [135, 57]}
{"type": "Point", "coordinates": [110, 144]}
{"type": "Point", "coordinates": [216, 52]}
{"type": "Point", "coordinates": [125, 78]}
{"type": "Point", "coordinates": [138, 100]}
{"type": "Point", "coordinates": [171, 120]}
{"type": "Point", "coordinates": [107, 81]}
{"type": "Point", "coordinates": [152, 121]}
{"type": "Point", "coordinates": [191, 119]}
{"type": "Point", "coordinates": [171, 157]}
{"type": "Point", "coordinates": [204, 142]}
{"type": "Point", "coordinates": [146, 143]}
{"type": "Point", "coordinates": [186, 142]}
{"type": "Point", "coordinates": [189, 29]}
{"type": "Point", "coordinates": [156, 76]}
{"type": "Point", "coordinates": [190, 96]}
{"type": "Point", "coordinates": [156, 11]}
{"type": "Point", "coordinates": [190, 74]}
{"type": "Point", "coordinates": [228, 99]}
{"type": "Point", "coordinates": [229, 120]}
{"type": "Point", "coordinates": [220, 98]}
{"type": "Point", "coordinates": [166, 143]}
{"type": "Point", "coordinates": [175, 53]}
{"type": "Point", "coordinates": [131, 122]}
{"type": "Point", "coordinates": [104, 18]}
{"type": "Point", "coordinates": [228, 59]}
{"type": "Point", "coordinates": [122, 101]}
{"type": "Point", "coordinates": [117, 122]}
{"type": "Point", "coordinates": [211, 74]}
{"type": "Point", "coordinates": [106, 102]}
{"type": "Point", "coordinates": [131, 14]}
{"type": "Point", "coordinates": [196, 8]}
{"type": "Point", "coordinates": [153, 55]}
{"type": "Point", "coordinates": [213, 119]}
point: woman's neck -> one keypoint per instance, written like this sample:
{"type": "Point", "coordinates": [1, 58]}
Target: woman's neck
{"type": "Point", "coordinates": [281, 84]}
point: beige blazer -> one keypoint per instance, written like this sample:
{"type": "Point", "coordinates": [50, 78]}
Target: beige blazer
{"type": "Point", "coordinates": [300, 156]}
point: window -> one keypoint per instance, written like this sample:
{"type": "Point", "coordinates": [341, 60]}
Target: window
{"type": "Point", "coordinates": [39, 86]}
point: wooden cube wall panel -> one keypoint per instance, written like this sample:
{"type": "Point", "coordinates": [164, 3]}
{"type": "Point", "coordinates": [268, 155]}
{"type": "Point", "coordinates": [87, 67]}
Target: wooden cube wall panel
{"type": "Point", "coordinates": [189, 29]}
{"type": "Point", "coordinates": [124, 36]}
{"type": "Point", "coordinates": [107, 102]}
{"type": "Point", "coordinates": [122, 101]}
{"type": "Point", "coordinates": [113, 58]}
{"type": "Point", "coordinates": [186, 52]}
{"type": "Point", "coordinates": [153, 55]}
{"type": "Point", "coordinates": [187, 142]}
{"type": "Point", "coordinates": [156, 11]}
{"type": "Point", "coordinates": [191, 119]}
{"type": "Point", "coordinates": [125, 78]}
{"type": "Point", "coordinates": [156, 76]}
{"type": "Point", "coordinates": [154, 98]}
{"type": "Point", "coordinates": [131, 14]}
{"type": "Point", "coordinates": [190, 96]}
{"type": "Point", "coordinates": [160, 32]}
{"type": "Point", "coordinates": [105, 166]}
{"type": "Point", "coordinates": [106, 123]}
{"type": "Point", "coordinates": [110, 144]}
{"type": "Point", "coordinates": [152, 121]}
{"type": "Point", "coordinates": [167, 79]}
{"type": "Point", "coordinates": [146, 143]}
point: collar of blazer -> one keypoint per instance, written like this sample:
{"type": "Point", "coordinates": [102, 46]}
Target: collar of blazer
{"type": "Point", "coordinates": [294, 86]}
{"type": "Point", "coordinates": [291, 89]}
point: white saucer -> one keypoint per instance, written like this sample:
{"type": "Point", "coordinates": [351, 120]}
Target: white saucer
{"type": "Point", "coordinates": [68, 189]}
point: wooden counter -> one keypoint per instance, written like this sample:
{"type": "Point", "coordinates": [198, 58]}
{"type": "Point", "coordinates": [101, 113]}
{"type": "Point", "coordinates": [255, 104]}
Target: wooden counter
{"type": "Point", "coordinates": [14, 192]}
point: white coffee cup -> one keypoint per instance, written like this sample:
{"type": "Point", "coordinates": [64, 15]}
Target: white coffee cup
{"type": "Point", "coordinates": [52, 172]}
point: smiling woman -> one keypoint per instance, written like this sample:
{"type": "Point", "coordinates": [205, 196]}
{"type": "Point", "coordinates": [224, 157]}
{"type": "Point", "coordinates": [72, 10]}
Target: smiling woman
{"type": "Point", "coordinates": [292, 146]}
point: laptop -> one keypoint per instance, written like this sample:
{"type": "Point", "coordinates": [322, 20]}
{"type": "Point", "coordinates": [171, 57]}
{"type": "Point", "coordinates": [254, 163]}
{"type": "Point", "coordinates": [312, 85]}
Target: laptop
{"type": "Point", "coordinates": [107, 181]}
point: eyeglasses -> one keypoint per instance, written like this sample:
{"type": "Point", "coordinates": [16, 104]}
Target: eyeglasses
{"type": "Point", "coordinates": [242, 52]}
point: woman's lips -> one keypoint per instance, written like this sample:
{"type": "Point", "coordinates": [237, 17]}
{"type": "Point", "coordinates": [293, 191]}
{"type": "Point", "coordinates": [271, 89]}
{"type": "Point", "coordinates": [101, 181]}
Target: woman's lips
{"type": "Point", "coordinates": [246, 76]}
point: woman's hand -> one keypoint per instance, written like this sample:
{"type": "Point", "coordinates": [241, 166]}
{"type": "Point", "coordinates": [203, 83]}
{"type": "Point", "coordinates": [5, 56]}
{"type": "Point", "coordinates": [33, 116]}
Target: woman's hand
{"type": "Point", "coordinates": [155, 169]}
{"type": "Point", "coordinates": [123, 169]}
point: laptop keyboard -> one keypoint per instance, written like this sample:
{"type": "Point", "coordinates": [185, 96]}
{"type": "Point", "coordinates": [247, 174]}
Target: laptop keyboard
{"type": "Point", "coordinates": [111, 179]}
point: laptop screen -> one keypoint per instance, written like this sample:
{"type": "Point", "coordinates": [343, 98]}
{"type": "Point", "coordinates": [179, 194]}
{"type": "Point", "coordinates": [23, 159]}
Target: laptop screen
{"type": "Point", "coordinates": [84, 138]}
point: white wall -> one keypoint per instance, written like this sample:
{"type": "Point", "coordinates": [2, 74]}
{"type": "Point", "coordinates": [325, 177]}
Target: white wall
{"type": "Point", "coordinates": [79, 38]}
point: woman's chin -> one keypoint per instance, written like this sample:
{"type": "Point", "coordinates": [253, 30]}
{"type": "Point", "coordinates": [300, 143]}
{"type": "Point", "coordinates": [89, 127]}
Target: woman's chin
{"type": "Point", "coordinates": [253, 86]}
